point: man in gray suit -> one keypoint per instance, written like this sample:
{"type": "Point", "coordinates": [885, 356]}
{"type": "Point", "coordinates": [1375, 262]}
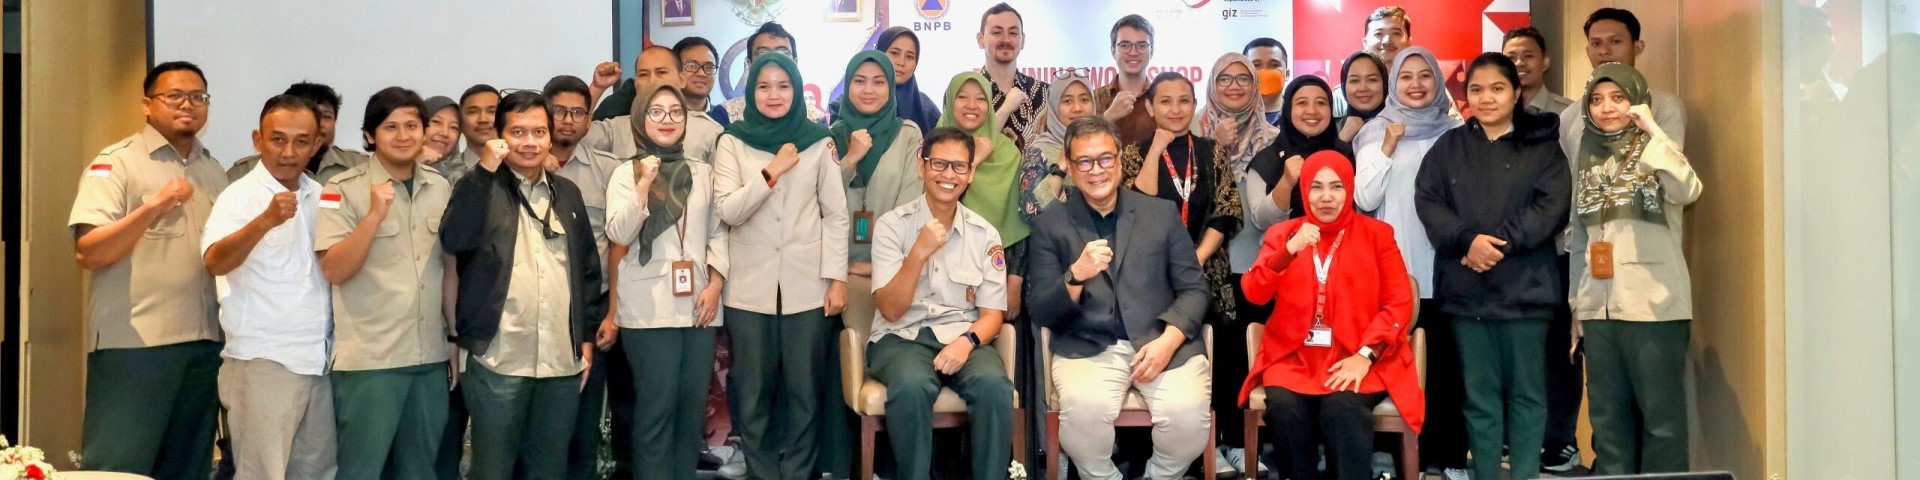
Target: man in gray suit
{"type": "Point", "coordinates": [1114, 283]}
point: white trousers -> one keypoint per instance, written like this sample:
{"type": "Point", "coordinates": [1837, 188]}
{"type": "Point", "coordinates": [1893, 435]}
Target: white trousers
{"type": "Point", "coordinates": [1092, 390]}
{"type": "Point", "coordinates": [281, 423]}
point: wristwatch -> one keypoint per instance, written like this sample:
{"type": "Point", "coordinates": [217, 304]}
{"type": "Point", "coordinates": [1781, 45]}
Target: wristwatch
{"type": "Point", "coordinates": [1075, 281]}
{"type": "Point", "coordinates": [971, 337]}
{"type": "Point", "coordinates": [1369, 353]}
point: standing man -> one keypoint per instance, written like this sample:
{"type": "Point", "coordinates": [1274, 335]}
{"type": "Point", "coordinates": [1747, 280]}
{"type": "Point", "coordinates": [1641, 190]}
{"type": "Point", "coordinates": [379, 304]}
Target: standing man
{"type": "Point", "coordinates": [1020, 102]}
{"type": "Point", "coordinates": [1388, 30]}
{"type": "Point", "coordinates": [1528, 50]}
{"type": "Point", "coordinates": [477, 106]}
{"type": "Point", "coordinates": [1124, 101]}
{"type": "Point", "coordinates": [769, 38]}
{"type": "Point", "coordinates": [154, 349]}
{"type": "Point", "coordinates": [1124, 305]}
{"type": "Point", "coordinates": [259, 241]}
{"type": "Point", "coordinates": [328, 160]}
{"type": "Point", "coordinates": [1268, 55]}
{"type": "Point", "coordinates": [648, 69]}
{"type": "Point", "coordinates": [379, 248]}
{"type": "Point", "coordinates": [1613, 36]}
{"type": "Point", "coordinates": [657, 65]}
{"type": "Point", "coordinates": [529, 295]}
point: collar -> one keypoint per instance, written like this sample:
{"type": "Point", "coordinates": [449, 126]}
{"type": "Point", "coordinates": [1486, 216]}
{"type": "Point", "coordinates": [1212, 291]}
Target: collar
{"type": "Point", "coordinates": [524, 182]}
{"type": "Point", "coordinates": [961, 213]}
{"type": "Point", "coordinates": [334, 155]}
{"type": "Point", "coordinates": [1118, 203]}
{"type": "Point", "coordinates": [155, 142]}
{"type": "Point", "coordinates": [377, 173]}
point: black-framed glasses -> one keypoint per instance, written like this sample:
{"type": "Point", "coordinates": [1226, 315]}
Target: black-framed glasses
{"type": "Point", "coordinates": [957, 166]}
{"type": "Point", "coordinates": [564, 113]}
{"type": "Point", "coordinates": [177, 99]}
{"type": "Point", "coordinates": [707, 69]}
{"type": "Point", "coordinates": [1235, 80]}
{"type": "Point", "coordinates": [1085, 164]}
{"type": "Point", "coordinates": [1133, 47]}
{"type": "Point", "coordinates": [658, 115]}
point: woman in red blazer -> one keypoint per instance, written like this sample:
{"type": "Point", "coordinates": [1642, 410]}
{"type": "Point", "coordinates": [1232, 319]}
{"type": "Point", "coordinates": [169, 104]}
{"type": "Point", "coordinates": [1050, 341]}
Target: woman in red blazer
{"type": "Point", "coordinates": [1336, 344]}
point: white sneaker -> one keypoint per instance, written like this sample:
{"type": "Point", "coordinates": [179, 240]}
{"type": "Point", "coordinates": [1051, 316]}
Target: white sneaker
{"type": "Point", "coordinates": [1239, 457]}
{"type": "Point", "coordinates": [1457, 474]}
{"type": "Point", "coordinates": [735, 467]}
{"type": "Point", "coordinates": [1224, 467]}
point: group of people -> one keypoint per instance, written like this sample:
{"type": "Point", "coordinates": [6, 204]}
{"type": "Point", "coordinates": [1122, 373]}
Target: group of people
{"type": "Point", "coordinates": [354, 314]}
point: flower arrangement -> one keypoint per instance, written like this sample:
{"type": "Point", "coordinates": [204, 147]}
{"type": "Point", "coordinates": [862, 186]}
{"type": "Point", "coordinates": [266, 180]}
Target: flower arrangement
{"type": "Point", "coordinates": [23, 462]}
{"type": "Point", "coordinates": [1016, 471]}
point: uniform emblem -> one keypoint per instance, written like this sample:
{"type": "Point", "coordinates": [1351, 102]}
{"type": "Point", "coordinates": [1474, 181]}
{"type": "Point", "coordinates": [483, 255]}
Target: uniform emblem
{"type": "Point", "coordinates": [998, 257]}
{"type": "Point", "coordinates": [102, 170]}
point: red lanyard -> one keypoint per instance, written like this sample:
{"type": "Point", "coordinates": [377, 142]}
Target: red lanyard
{"type": "Point", "coordinates": [1322, 270]}
{"type": "Point", "coordinates": [1183, 186]}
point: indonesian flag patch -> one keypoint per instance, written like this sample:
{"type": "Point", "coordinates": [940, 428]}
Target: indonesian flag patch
{"type": "Point", "coordinates": [102, 170]}
{"type": "Point", "coordinates": [330, 200]}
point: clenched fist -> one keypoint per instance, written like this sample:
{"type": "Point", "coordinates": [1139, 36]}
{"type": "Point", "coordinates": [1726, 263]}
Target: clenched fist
{"type": "Point", "coordinates": [606, 75]}
{"type": "Point", "coordinates": [1093, 259]}
{"type": "Point", "coordinates": [175, 192]}
{"type": "Point", "coordinates": [1122, 105]}
{"type": "Point", "coordinates": [784, 160]}
{"type": "Point", "coordinates": [381, 198]}
{"type": "Point", "coordinates": [932, 236]}
{"type": "Point", "coordinates": [282, 208]}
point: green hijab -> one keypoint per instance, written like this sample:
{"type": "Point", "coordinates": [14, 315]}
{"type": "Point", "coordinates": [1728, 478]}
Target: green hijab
{"type": "Point", "coordinates": [883, 125]}
{"type": "Point", "coordinates": [994, 193]}
{"type": "Point", "coordinates": [769, 134]}
{"type": "Point", "coordinates": [1610, 182]}
{"type": "Point", "coordinates": [667, 195]}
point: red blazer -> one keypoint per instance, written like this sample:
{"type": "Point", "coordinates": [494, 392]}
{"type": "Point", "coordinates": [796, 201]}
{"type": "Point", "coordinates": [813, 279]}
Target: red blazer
{"type": "Point", "coordinates": [1370, 302]}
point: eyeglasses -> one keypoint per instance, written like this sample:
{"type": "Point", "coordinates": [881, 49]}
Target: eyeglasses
{"type": "Point", "coordinates": [707, 69]}
{"type": "Point", "coordinates": [1085, 164]}
{"type": "Point", "coordinates": [1069, 72]}
{"type": "Point", "coordinates": [178, 99]}
{"type": "Point", "coordinates": [1235, 80]}
{"type": "Point", "coordinates": [564, 113]}
{"type": "Point", "coordinates": [780, 50]}
{"type": "Point", "coordinates": [959, 167]}
{"type": "Point", "coordinates": [1133, 47]}
{"type": "Point", "coordinates": [660, 115]}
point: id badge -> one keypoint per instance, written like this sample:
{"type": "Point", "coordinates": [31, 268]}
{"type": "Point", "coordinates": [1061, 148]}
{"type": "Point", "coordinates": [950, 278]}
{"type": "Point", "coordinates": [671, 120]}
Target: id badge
{"type": "Point", "coordinates": [1600, 260]}
{"type": "Point", "coordinates": [683, 278]}
{"type": "Point", "coordinates": [863, 227]}
{"type": "Point", "coordinates": [1320, 336]}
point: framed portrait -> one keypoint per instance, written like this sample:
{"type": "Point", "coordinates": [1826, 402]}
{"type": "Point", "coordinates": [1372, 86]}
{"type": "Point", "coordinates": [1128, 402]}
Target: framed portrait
{"type": "Point", "coordinates": [844, 10]}
{"type": "Point", "coordinates": [676, 12]}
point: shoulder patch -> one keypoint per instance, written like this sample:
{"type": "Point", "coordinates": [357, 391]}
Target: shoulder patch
{"type": "Point", "coordinates": [101, 170]}
{"type": "Point", "coordinates": [351, 173]}
{"type": "Point", "coordinates": [998, 257]}
{"type": "Point", "coordinates": [330, 200]}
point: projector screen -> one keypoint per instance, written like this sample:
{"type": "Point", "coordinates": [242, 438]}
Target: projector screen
{"type": "Point", "coordinates": [251, 50]}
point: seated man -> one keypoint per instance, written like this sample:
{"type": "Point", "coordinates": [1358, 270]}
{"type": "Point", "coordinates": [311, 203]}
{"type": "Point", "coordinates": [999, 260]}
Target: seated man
{"type": "Point", "coordinates": [1115, 280]}
{"type": "Point", "coordinates": [934, 324]}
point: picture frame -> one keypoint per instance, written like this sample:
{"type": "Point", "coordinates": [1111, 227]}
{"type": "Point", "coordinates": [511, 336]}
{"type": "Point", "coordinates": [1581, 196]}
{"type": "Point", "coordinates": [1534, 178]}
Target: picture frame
{"type": "Point", "coordinates": [845, 10]}
{"type": "Point", "coordinates": [675, 13]}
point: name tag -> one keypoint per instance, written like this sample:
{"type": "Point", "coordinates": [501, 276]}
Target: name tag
{"type": "Point", "coordinates": [1320, 336]}
{"type": "Point", "coordinates": [683, 278]}
{"type": "Point", "coordinates": [1600, 260]}
{"type": "Point", "coordinates": [863, 227]}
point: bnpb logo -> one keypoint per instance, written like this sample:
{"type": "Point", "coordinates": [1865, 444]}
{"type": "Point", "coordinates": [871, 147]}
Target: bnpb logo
{"type": "Point", "coordinates": [936, 8]}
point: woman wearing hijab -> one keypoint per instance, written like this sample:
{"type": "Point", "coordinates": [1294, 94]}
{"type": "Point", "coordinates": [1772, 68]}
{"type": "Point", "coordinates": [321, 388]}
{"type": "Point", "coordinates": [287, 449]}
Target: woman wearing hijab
{"type": "Point", "coordinates": [878, 152]}
{"type": "Point", "coordinates": [1233, 117]}
{"type": "Point", "coordinates": [1493, 195]}
{"type": "Point", "coordinates": [662, 208]}
{"type": "Point", "coordinates": [1042, 178]}
{"type": "Point", "coordinates": [777, 183]}
{"type": "Point", "coordinates": [1389, 150]}
{"type": "Point", "coordinates": [994, 193]}
{"type": "Point", "coordinates": [1192, 172]}
{"type": "Point", "coordinates": [1633, 293]}
{"type": "Point", "coordinates": [902, 49]}
{"type": "Point", "coordinates": [1363, 91]}
{"type": "Point", "coordinates": [1336, 344]}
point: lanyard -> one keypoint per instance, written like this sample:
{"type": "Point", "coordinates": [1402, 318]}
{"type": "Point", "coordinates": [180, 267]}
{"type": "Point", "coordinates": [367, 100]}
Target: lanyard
{"type": "Point", "coordinates": [1321, 268]}
{"type": "Point", "coordinates": [546, 224]}
{"type": "Point", "coordinates": [1184, 186]}
{"type": "Point", "coordinates": [686, 210]}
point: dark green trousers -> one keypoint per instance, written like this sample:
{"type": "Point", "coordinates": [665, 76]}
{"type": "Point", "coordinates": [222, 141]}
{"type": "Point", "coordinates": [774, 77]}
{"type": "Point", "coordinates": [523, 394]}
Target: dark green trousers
{"type": "Point", "coordinates": [676, 366]}
{"type": "Point", "coordinates": [906, 368]}
{"type": "Point", "coordinates": [838, 424]}
{"type": "Point", "coordinates": [1503, 364]}
{"type": "Point", "coordinates": [390, 421]}
{"type": "Point", "coordinates": [1636, 395]}
{"type": "Point", "coordinates": [151, 411]}
{"type": "Point", "coordinates": [453, 440]}
{"type": "Point", "coordinates": [776, 374]}
{"type": "Point", "coordinates": [519, 421]}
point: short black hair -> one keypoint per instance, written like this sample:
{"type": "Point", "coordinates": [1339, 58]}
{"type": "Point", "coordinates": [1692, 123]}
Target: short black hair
{"type": "Point", "coordinates": [774, 29]}
{"type": "Point", "coordinates": [1615, 14]}
{"type": "Point", "coordinates": [945, 135]}
{"type": "Point", "coordinates": [1386, 12]}
{"type": "Point", "coordinates": [519, 102]}
{"type": "Point", "coordinates": [1164, 77]}
{"type": "Point", "coordinates": [996, 9]}
{"type": "Point", "coordinates": [153, 74]}
{"type": "Point", "coordinates": [685, 44]}
{"type": "Point", "coordinates": [1267, 42]}
{"type": "Point", "coordinates": [288, 101]}
{"type": "Point", "coordinates": [1133, 21]}
{"type": "Point", "coordinates": [319, 94]}
{"type": "Point", "coordinates": [1527, 33]}
{"type": "Point", "coordinates": [477, 89]}
{"type": "Point", "coordinates": [565, 84]}
{"type": "Point", "coordinates": [1087, 126]}
{"type": "Point", "coordinates": [386, 101]}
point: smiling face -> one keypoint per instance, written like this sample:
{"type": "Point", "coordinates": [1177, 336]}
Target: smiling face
{"type": "Point", "coordinates": [528, 139]}
{"type": "Point", "coordinates": [1101, 152]}
{"type": "Point", "coordinates": [1311, 110]}
{"type": "Point", "coordinates": [1075, 103]}
{"type": "Point", "coordinates": [1001, 37]}
{"type": "Point", "coordinates": [1385, 37]}
{"type": "Point", "coordinates": [1529, 60]}
{"type": "Point", "coordinates": [868, 88]}
{"type": "Point", "coordinates": [286, 139]}
{"type": "Point", "coordinates": [399, 138]}
{"type": "Point", "coordinates": [1172, 106]}
{"type": "Point", "coordinates": [185, 118]}
{"type": "Point", "coordinates": [1608, 107]}
{"type": "Point", "coordinates": [1414, 84]}
{"type": "Point", "coordinates": [1327, 195]}
{"type": "Point", "coordinates": [1492, 96]}
{"type": "Point", "coordinates": [1365, 85]}
{"type": "Point", "coordinates": [970, 107]}
{"type": "Point", "coordinates": [666, 119]}
{"type": "Point", "coordinates": [443, 130]}
{"type": "Point", "coordinates": [693, 64]}
{"type": "Point", "coordinates": [945, 184]}
{"type": "Point", "coordinates": [1132, 48]}
{"type": "Point", "coordinates": [905, 53]}
{"type": "Point", "coordinates": [1234, 86]}
{"type": "Point", "coordinates": [477, 111]}
{"type": "Point", "coordinates": [773, 92]}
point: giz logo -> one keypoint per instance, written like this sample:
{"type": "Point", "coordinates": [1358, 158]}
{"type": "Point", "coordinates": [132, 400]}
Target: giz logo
{"type": "Point", "coordinates": [1229, 13]}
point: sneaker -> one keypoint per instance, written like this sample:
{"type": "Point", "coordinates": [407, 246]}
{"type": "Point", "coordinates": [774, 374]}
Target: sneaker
{"type": "Point", "coordinates": [1561, 461]}
{"type": "Point", "coordinates": [1239, 457]}
{"type": "Point", "coordinates": [1223, 466]}
{"type": "Point", "coordinates": [735, 468]}
{"type": "Point", "coordinates": [1456, 474]}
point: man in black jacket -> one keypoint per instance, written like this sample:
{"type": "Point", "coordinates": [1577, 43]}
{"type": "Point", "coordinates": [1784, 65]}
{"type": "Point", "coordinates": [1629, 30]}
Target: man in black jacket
{"type": "Point", "coordinates": [529, 292]}
{"type": "Point", "coordinates": [1115, 283]}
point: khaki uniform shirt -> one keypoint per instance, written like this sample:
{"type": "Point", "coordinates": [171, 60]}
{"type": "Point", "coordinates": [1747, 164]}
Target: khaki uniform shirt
{"type": "Point", "coordinates": [615, 136]}
{"type": "Point", "coordinates": [590, 170]}
{"type": "Point", "coordinates": [646, 290]}
{"type": "Point", "coordinates": [335, 161]}
{"type": "Point", "coordinates": [535, 338]}
{"type": "Point", "coordinates": [967, 274]}
{"type": "Point", "coordinates": [790, 237]}
{"type": "Point", "coordinates": [389, 314]}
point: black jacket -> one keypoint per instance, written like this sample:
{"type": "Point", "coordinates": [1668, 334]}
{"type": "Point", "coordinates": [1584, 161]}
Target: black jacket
{"type": "Point", "coordinates": [1154, 280]}
{"type": "Point", "coordinates": [1517, 189]}
{"type": "Point", "coordinates": [480, 228]}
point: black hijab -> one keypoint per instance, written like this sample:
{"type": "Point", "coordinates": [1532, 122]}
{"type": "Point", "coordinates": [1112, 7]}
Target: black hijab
{"type": "Point", "coordinates": [1271, 162]}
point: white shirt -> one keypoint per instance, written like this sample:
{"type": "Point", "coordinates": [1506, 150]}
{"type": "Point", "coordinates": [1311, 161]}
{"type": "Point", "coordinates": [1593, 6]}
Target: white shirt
{"type": "Point", "coordinates": [1386, 189]}
{"type": "Point", "coordinates": [276, 305]}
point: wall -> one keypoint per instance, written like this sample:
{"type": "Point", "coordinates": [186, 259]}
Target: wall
{"type": "Point", "coordinates": [81, 92]}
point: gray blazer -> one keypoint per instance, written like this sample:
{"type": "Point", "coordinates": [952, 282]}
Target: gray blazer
{"type": "Point", "coordinates": [1155, 279]}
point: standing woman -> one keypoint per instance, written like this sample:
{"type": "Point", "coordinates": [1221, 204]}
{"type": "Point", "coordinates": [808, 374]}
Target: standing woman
{"type": "Point", "coordinates": [902, 49]}
{"type": "Point", "coordinates": [1364, 80]}
{"type": "Point", "coordinates": [777, 184]}
{"type": "Point", "coordinates": [1493, 194]}
{"type": "Point", "coordinates": [1192, 172]}
{"type": "Point", "coordinates": [878, 154]}
{"type": "Point", "coordinates": [661, 207]}
{"type": "Point", "coordinates": [1633, 293]}
{"type": "Point", "coordinates": [1336, 344]}
{"type": "Point", "coordinates": [1389, 151]}
{"type": "Point", "coordinates": [994, 193]}
{"type": "Point", "coordinates": [1042, 176]}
